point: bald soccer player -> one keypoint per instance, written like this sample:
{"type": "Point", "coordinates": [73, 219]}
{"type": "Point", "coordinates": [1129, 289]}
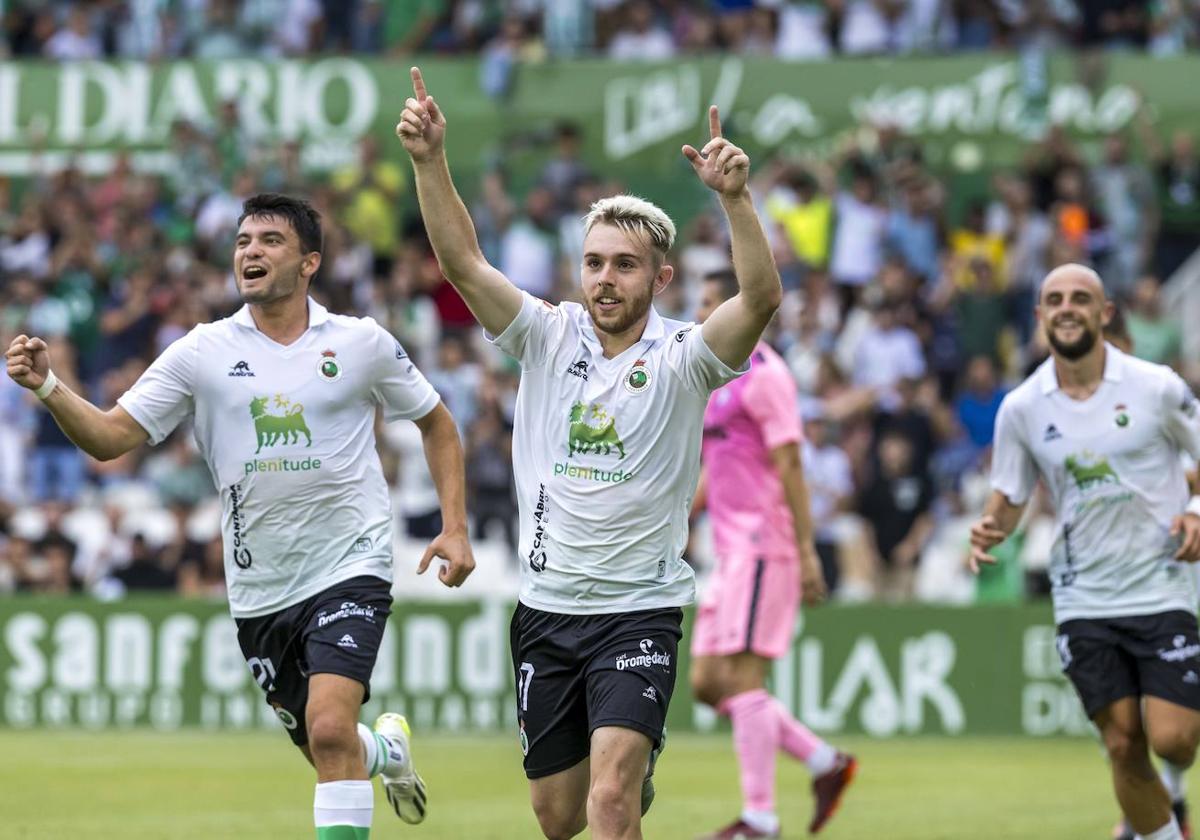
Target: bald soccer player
{"type": "Point", "coordinates": [1105, 430]}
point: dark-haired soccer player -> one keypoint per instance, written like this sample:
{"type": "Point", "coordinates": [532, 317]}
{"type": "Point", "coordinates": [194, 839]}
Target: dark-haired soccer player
{"type": "Point", "coordinates": [283, 395]}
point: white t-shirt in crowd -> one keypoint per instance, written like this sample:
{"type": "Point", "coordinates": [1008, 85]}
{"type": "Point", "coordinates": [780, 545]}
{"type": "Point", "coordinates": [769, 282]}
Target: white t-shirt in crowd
{"type": "Point", "coordinates": [288, 433]}
{"type": "Point", "coordinates": [857, 241]}
{"type": "Point", "coordinates": [606, 455]}
{"type": "Point", "coordinates": [1112, 465]}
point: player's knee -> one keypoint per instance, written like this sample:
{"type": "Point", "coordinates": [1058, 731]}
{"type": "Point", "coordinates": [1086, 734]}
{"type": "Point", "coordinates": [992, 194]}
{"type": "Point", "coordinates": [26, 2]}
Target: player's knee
{"type": "Point", "coordinates": [329, 737]}
{"type": "Point", "coordinates": [1177, 747]}
{"type": "Point", "coordinates": [556, 823]}
{"type": "Point", "coordinates": [705, 687]}
{"type": "Point", "coordinates": [1126, 747]}
{"type": "Point", "coordinates": [611, 803]}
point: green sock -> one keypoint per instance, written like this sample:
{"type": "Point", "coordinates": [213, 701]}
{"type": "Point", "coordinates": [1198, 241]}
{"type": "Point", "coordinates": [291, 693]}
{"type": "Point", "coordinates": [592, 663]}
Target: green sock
{"type": "Point", "coordinates": [342, 832]}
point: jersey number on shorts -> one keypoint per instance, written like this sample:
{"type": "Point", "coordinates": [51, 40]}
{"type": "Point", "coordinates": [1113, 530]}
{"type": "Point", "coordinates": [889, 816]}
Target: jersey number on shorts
{"type": "Point", "coordinates": [523, 680]}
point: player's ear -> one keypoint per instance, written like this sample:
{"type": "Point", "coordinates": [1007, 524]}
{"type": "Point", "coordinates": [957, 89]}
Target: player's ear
{"type": "Point", "coordinates": [309, 265]}
{"type": "Point", "coordinates": [663, 278]}
{"type": "Point", "coordinates": [1107, 313]}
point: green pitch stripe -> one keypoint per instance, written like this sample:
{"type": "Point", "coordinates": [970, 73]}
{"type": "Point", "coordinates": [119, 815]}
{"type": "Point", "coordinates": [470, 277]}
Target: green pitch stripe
{"type": "Point", "coordinates": [342, 832]}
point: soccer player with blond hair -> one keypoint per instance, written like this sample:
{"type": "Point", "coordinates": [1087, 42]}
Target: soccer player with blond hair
{"type": "Point", "coordinates": [606, 452]}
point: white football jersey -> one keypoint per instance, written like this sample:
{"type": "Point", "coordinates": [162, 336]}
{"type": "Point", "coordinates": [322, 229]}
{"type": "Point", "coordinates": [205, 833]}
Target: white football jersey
{"type": "Point", "coordinates": [288, 433]}
{"type": "Point", "coordinates": [1112, 465]}
{"type": "Point", "coordinates": [606, 454]}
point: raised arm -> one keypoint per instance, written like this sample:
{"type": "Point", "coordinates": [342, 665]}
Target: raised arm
{"type": "Point", "coordinates": [102, 434]}
{"type": "Point", "coordinates": [493, 300]}
{"type": "Point", "coordinates": [737, 324]}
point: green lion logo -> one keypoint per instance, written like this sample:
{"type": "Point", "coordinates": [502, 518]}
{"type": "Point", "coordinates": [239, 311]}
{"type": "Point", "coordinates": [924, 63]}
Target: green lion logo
{"type": "Point", "coordinates": [585, 437]}
{"type": "Point", "coordinates": [271, 428]}
{"type": "Point", "coordinates": [1086, 475]}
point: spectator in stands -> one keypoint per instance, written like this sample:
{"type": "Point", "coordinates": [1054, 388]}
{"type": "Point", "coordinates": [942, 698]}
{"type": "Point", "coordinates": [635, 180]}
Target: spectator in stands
{"type": "Point", "coordinates": [490, 476]}
{"type": "Point", "coordinates": [565, 170]}
{"type": "Point", "coordinates": [859, 233]}
{"type": "Point", "coordinates": [897, 505]}
{"type": "Point", "coordinates": [456, 379]}
{"type": "Point", "coordinates": [887, 352]}
{"type": "Point", "coordinates": [915, 230]}
{"type": "Point", "coordinates": [805, 214]}
{"type": "Point", "coordinates": [369, 191]}
{"type": "Point", "coordinates": [979, 402]}
{"type": "Point", "coordinates": [1155, 337]}
{"type": "Point", "coordinates": [77, 41]}
{"type": "Point", "coordinates": [56, 466]}
{"type": "Point", "coordinates": [640, 37]}
{"type": "Point", "coordinates": [830, 490]}
{"type": "Point", "coordinates": [1177, 183]}
{"type": "Point", "coordinates": [1125, 196]}
{"type": "Point", "coordinates": [528, 247]}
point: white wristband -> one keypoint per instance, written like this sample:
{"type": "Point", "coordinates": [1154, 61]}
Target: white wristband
{"type": "Point", "coordinates": [1193, 505]}
{"type": "Point", "coordinates": [47, 387]}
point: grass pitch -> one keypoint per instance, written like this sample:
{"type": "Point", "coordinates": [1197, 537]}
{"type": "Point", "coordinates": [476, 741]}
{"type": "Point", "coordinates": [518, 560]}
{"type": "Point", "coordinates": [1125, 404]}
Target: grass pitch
{"type": "Point", "coordinates": [147, 786]}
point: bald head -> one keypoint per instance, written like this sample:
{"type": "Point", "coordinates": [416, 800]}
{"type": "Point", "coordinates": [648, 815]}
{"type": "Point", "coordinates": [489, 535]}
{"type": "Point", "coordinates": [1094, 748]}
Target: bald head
{"type": "Point", "coordinates": [1073, 310]}
{"type": "Point", "coordinates": [1071, 275]}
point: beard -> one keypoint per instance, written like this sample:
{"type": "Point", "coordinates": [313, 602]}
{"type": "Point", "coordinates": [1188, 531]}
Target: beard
{"type": "Point", "coordinates": [633, 309]}
{"type": "Point", "coordinates": [276, 288]}
{"type": "Point", "coordinates": [1077, 349]}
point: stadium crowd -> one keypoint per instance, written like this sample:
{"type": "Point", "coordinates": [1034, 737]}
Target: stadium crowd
{"type": "Point", "coordinates": [905, 318]}
{"type": "Point", "coordinates": [621, 29]}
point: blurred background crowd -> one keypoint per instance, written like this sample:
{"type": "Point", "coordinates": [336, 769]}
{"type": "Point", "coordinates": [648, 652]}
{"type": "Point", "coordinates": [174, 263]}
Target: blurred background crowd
{"type": "Point", "coordinates": [620, 29]}
{"type": "Point", "coordinates": [906, 316]}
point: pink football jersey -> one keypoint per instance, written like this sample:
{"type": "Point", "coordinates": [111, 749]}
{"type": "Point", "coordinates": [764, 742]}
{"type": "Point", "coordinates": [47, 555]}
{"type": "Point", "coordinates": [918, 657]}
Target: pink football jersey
{"type": "Point", "coordinates": [744, 421]}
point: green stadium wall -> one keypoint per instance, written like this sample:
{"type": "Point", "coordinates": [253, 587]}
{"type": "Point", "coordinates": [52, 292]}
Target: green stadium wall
{"type": "Point", "coordinates": [972, 112]}
{"type": "Point", "coordinates": [880, 670]}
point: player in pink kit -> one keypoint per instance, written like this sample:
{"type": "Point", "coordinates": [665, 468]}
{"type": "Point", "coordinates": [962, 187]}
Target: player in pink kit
{"type": "Point", "coordinates": [757, 501]}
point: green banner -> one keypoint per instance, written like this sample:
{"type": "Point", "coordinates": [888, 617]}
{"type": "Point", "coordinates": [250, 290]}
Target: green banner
{"type": "Point", "coordinates": [635, 116]}
{"type": "Point", "coordinates": [884, 671]}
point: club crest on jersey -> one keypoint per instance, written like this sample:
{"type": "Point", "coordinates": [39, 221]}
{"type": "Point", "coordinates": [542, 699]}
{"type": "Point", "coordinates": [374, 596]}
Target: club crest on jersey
{"type": "Point", "coordinates": [639, 378]}
{"type": "Point", "coordinates": [1122, 418]}
{"type": "Point", "coordinates": [329, 368]}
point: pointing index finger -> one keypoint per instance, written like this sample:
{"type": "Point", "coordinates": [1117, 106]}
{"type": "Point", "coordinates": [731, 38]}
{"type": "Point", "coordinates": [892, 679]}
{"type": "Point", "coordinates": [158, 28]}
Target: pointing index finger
{"type": "Point", "coordinates": [418, 84]}
{"type": "Point", "coordinates": [714, 122]}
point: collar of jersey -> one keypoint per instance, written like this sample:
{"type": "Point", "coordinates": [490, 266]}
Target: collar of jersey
{"type": "Point", "coordinates": [317, 314]}
{"type": "Point", "coordinates": [655, 329]}
{"type": "Point", "coordinates": [1113, 366]}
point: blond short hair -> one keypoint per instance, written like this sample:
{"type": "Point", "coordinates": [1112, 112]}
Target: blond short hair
{"type": "Point", "coordinates": [635, 217]}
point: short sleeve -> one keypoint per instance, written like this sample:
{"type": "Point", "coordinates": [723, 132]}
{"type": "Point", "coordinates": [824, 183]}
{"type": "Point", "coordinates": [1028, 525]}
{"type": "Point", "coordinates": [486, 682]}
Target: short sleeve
{"type": "Point", "coordinates": [690, 358]}
{"type": "Point", "coordinates": [534, 334]}
{"type": "Point", "coordinates": [1014, 472]}
{"type": "Point", "coordinates": [165, 394]}
{"type": "Point", "coordinates": [770, 399]}
{"type": "Point", "coordinates": [397, 385]}
{"type": "Point", "coordinates": [1181, 415]}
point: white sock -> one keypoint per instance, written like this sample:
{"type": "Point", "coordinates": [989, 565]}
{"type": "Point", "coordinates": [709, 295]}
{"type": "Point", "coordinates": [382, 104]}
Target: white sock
{"type": "Point", "coordinates": [381, 753]}
{"type": "Point", "coordinates": [1174, 778]}
{"type": "Point", "coordinates": [764, 821]}
{"type": "Point", "coordinates": [821, 760]}
{"type": "Point", "coordinates": [343, 803]}
{"type": "Point", "coordinates": [1170, 831]}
